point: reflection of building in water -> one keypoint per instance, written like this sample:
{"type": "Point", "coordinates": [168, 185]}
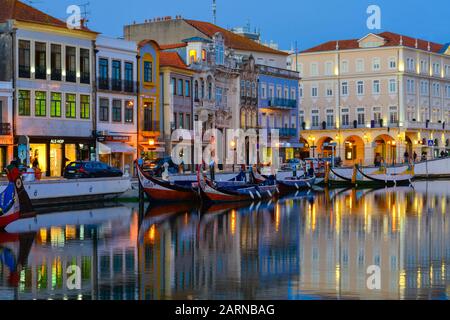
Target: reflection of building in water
{"type": "Point", "coordinates": [107, 261]}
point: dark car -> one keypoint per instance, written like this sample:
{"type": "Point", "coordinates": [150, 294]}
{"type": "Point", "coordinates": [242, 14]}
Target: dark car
{"type": "Point", "coordinates": [156, 167]}
{"type": "Point", "coordinates": [90, 169]}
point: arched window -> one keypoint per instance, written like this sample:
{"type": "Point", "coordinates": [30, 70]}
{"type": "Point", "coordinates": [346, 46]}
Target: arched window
{"type": "Point", "coordinates": [196, 89]}
{"type": "Point", "coordinates": [204, 55]}
{"type": "Point", "coordinates": [249, 92]}
{"type": "Point", "coordinates": [253, 89]}
{"type": "Point", "coordinates": [202, 92]}
{"type": "Point", "coordinates": [254, 119]}
{"type": "Point", "coordinates": [209, 90]}
{"type": "Point", "coordinates": [192, 56]}
{"type": "Point", "coordinates": [219, 48]}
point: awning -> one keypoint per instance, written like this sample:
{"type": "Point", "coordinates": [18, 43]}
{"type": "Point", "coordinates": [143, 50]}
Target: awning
{"type": "Point", "coordinates": [115, 147]}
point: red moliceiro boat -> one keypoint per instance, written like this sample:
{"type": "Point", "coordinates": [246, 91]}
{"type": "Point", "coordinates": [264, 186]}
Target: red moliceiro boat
{"type": "Point", "coordinates": [160, 190]}
{"type": "Point", "coordinates": [14, 200]}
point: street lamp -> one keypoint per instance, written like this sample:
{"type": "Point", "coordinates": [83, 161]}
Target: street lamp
{"type": "Point", "coordinates": [233, 146]}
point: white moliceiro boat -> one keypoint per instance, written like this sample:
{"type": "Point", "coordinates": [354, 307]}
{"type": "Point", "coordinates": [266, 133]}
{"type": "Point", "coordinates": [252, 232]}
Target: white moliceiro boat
{"type": "Point", "coordinates": [62, 191]}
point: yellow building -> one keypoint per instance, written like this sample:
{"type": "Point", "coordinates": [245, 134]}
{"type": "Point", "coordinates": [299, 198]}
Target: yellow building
{"type": "Point", "coordinates": [149, 115]}
{"type": "Point", "coordinates": [384, 94]}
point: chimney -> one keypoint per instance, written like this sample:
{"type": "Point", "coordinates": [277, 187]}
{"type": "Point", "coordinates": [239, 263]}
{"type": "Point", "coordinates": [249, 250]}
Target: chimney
{"type": "Point", "coordinates": [429, 46]}
{"type": "Point", "coordinates": [337, 45]}
{"type": "Point", "coordinates": [83, 22]}
{"type": "Point", "coordinates": [401, 40]}
{"type": "Point", "coordinates": [417, 43]}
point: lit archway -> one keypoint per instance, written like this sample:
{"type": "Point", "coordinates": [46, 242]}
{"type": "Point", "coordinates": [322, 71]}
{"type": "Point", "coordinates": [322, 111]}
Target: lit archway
{"type": "Point", "coordinates": [353, 150]}
{"type": "Point", "coordinates": [304, 150]}
{"type": "Point", "coordinates": [385, 149]}
{"type": "Point", "coordinates": [324, 150]}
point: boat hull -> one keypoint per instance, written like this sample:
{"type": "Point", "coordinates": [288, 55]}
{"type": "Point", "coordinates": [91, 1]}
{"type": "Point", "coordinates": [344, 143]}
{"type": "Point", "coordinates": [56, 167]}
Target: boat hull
{"type": "Point", "coordinates": [293, 185]}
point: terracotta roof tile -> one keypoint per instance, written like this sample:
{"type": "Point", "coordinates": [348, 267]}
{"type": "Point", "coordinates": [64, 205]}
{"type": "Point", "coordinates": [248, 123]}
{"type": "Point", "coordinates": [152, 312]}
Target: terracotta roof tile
{"type": "Point", "coordinates": [392, 39]}
{"type": "Point", "coordinates": [173, 46]}
{"type": "Point", "coordinates": [171, 59]}
{"type": "Point", "coordinates": [232, 39]}
{"type": "Point", "coordinates": [16, 10]}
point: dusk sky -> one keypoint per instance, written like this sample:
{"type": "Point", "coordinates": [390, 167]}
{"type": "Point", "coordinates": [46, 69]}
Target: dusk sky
{"type": "Point", "coordinates": [283, 21]}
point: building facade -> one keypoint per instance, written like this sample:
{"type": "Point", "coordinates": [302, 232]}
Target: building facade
{"type": "Point", "coordinates": [278, 108]}
{"type": "Point", "coordinates": [384, 95]}
{"type": "Point", "coordinates": [53, 79]}
{"type": "Point", "coordinates": [150, 143]}
{"type": "Point", "coordinates": [6, 137]}
{"type": "Point", "coordinates": [176, 99]}
{"type": "Point", "coordinates": [116, 102]}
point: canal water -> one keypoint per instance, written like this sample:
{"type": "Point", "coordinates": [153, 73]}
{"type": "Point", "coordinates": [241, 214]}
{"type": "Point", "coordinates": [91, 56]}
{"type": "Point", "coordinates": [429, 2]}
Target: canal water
{"type": "Point", "coordinates": [316, 245]}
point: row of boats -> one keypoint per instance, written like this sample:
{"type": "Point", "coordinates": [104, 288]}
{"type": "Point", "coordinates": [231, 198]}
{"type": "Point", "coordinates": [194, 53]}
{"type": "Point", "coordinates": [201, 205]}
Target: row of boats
{"type": "Point", "coordinates": [254, 186]}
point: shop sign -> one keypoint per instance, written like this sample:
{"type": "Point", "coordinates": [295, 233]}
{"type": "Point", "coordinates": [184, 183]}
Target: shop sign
{"type": "Point", "coordinates": [57, 141]}
{"type": "Point", "coordinates": [114, 138]}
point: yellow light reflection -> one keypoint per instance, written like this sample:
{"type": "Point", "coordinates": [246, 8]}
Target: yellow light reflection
{"type": "Point", "coordinates": [233, 222]}
{"type": "Point", "coordinates": [152, 233]}
{"type": "Point", "coordinates": [277, 217]}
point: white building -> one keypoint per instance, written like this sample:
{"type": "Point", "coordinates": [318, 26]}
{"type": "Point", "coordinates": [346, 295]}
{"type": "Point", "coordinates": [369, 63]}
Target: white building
{"type": "Point", "coordinates": [53, 76]}
{"type": "Point", "coordinates": [6, 138]}
{"type": "Point", "coordinates": [116, 102]}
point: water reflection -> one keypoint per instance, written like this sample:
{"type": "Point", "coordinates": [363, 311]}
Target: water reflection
{"type": "Point", "coordinates": [309, 246]}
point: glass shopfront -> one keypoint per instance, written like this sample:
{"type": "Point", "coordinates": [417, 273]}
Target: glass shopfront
{"type": "Point", "coordinates": [38, 156]}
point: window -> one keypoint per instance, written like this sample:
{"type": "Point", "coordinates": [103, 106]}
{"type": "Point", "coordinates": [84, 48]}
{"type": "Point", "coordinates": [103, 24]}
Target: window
{"type": "Point", "coordinates": [116, 75]}
{"type": "Point", "coordinates": [360, 112]}
{"type": "Point", "coordinates": [116, 110]}
{"type": "Point", "coordinates": [180, 120]}
{"type": "Point", "coordinates": [188, 122]}
{"type": "Point", "coordinates": [447, 71]}
{"type": "Point", "coordinates": [148, 71]}
{"type": "Point", "coordinates": [436, 69]}
{"type": "Point", "coordinates": [360, 88]}
{"type": "Point", "coordinates": [360, 65]}
{"type": "Point", "coordinates": [300, 68]}
{"type": "Point", "coordinates": [301, 117]}
{"type": "Point", "coordinates": [344, 88]}
{"type": "Point", "coordinates": [315, 118]}
{"type": "Point", "coordinates": [40, 104]}
{"type": "Point", "coordinates": [279, 92]}
{"type": "Point", "coordinates": [314, 69]}
{"type": "Point", "coordinates": [24, 103]}
{"type": "Point", "coordinates": [210, 91]}
{"type": "Point", "coordinates": [128, 86]}
{"type": "Point", "coordinates": [392, 63]}
{"type": "Point", "coordinates": [219, 92]}
{"type": "Point", "coordinates": [71, 64]}
{"type": "Point", "coordinates": [376, 87]}
{"type": "Point", "coordinates": [71, 111]}
{"type": "Point", "coordinates": [376, 64]}
{"type": "Point", "coordinates": [129, 111]}
{"type": "Point", "coordinates": [345, 117]}
{"type": "Point", "coordinates": [253, 89]}
{"type": "Point", "coordinates": [392, 86]}
{"type": "Point", "coordinates": [393, 115]}
{"type": "Point", "coordinates": [195, 90]}
{"type": "Point", "coordinates": [104, 110]}
{"type": "Point", "coordinates": [410, 64]}
{"type": "Point", "coordinates": [55, 105]}
{"type": "Point", "coordinates": [40, 60]}
{"type": "Point", "coordinates": [187, 88]}
{"type": "Point", "coordinates": [376, 114]}
{"type": "Point", "coordinates": [423, 66]}
{"type": "Point", "coordinates": [329, 68]}
{"type": "Point", "coordinates": [192, 56]}
{"type": "Point", "coordinates": [424, 91]}
{"type": "Point", "coordinates": [219, 47]}
{"type": "Point", "coordinates": [314, 91]}
{"type": "Point", "coordinates": [300, 92]}
{"type": "Point", "coordinates": [24, 59]}
{"type": "Point", "coordinates": [330, 118]}
{"type": "Point", "coordinates": [173, 86]}
{"type": "Point", "coordinates": [293, 95]}
{"type": "Point", "coordinates": [436, 89]}
{"type": "Point", "coordinates": [203, 55]}
{"type": "Point", "coordinates": [271, 92]}
{"type": "Point", "coordinates": [447, 91]}
{"type": "Point", "coordinates": [56, 62]}
{"type": "Point", "coordinates": [344, 66]}
{"type": "Point", "coordinates": [103, 74]}
{"type": "Point", "coordinates": [85, 75]}
{"type": "Point", "coordinates": [85, 107]}
{"type": "Point", "coordinates": [410, 86]}
{"type": "Point", "coordinates": [329, 91]}
{"type": "Point", "coordinates": [180, 87]}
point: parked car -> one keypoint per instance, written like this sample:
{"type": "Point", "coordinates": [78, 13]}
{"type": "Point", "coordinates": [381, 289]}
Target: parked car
{"type": "Point", "coordinates": [156, 167]}
{"type": "Point", "coordinates": [90, 169]}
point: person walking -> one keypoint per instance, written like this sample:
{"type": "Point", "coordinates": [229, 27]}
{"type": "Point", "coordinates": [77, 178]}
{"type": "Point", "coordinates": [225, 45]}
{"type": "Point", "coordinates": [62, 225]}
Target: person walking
{"type": "Point", "coordinates": [406, 156]}
{"type": "Point", "coordinates": [415, 157]}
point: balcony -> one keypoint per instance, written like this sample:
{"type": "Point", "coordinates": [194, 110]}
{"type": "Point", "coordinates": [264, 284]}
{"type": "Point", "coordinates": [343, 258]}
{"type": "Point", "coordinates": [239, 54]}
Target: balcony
{"type": "Point", "coordinates": [24, 72]}
{"type": "Point", "coordinates": [425, 125]}
{"type": "Point", "coordinates": [284, 132]}
{"type": "Point", "coordinates": [117, 85]}
{"type": "Point", "coordinates": [151, 126]}
{"type": "Point", "coordinates": [246, 100]}
{"type": "Point", "coordinates": [85, 77]}
{"type": "Point", "coordinates": [71, 76]}
{"type": "Point", "coordinates": [40, 73]}
{"type": "Point", "coordinates": [5, 129]}
{"type": "Point", "coordinates": [56, 75]}
{"type": "Point", "coordinates": [280, 103]}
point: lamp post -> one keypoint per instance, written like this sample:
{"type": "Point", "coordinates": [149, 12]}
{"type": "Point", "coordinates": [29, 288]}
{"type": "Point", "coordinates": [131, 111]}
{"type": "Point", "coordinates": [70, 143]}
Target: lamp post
{"type": "Point", "coordinates": [233, 146]}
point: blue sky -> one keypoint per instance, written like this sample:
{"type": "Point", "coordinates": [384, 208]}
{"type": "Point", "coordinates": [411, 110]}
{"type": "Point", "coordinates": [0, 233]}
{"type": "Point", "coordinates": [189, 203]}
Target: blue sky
{"type": "Point", "coordinates": [309, 22]}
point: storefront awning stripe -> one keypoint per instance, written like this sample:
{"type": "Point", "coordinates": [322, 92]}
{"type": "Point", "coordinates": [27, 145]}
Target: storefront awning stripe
{"type": "Point", "coordinates": [115, 147]}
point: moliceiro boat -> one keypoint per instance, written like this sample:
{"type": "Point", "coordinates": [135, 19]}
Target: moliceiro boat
{"type": "Point", "coordinates": [158, 189]}
{"type": "Point", "coordinates": [293, 184]}
{"type": "Point", "coordinates": [211, 191]}
{"type": "Point", "coordinates": [382, 178]}
{"type": "Point", "coordinates": [14, 200]}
